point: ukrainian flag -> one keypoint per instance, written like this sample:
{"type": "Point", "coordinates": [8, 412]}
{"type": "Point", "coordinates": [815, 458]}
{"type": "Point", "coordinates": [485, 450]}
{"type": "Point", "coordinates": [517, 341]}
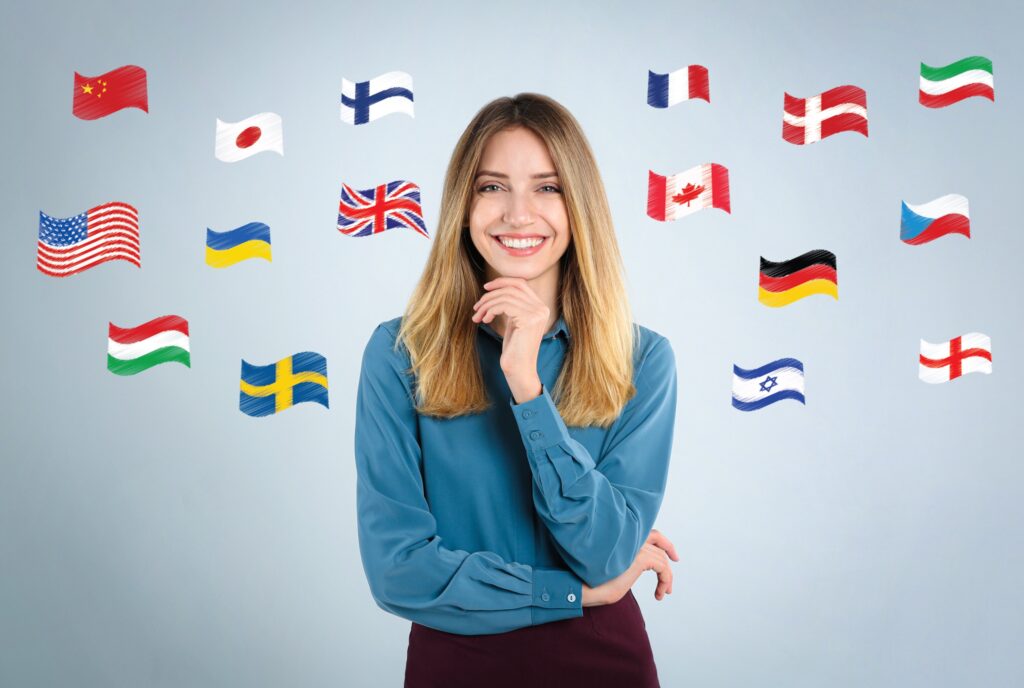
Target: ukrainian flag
{"type": "Point", "coordinates": [272, 388]}
{"type": "Point", "coordinates": [227, 248]}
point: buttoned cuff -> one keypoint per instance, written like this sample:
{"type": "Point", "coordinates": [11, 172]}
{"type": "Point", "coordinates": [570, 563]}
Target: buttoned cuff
{"type": "Point", "coordinates": [540, 423]}
{"type": "Point", "coordinates": [557, 595]}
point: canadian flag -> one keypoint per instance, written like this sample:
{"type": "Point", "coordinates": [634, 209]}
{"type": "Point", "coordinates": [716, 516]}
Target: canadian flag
{"type": "Point", "coordinates": [238, 140]}
{"type": "Point", "coordinates": [945, 361]}
{"type": "Point", "coordinates": [806, 120]}
{"type": "Point", "coordinates": [673, 197]}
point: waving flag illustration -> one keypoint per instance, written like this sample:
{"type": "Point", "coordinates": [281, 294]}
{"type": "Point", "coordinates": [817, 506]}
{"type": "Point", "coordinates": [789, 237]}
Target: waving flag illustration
{"type": "Point", "coordinates": [239, 140]}
{"type": "Point", "coordinates": [666, 90]}
{"type": "Point", "coordinates": [161, 340]}
{"type": "Point", "coordinates": [272, 388]}
{"type": "Point", "coordinates": [386, 206]}
{"type": "Point", "coordinates": [99, 96]}
{"type": "Point", "coordinates": [943, 86]}
{"type": "Point", "coordinates": [772, 382]}
{"type": "Point", "coordinates": [947, 214]}
{"type": "Point", "coordinates": [945, 361]}
{"type": "Point", "coordinates": [365, 101]}
{"type": "Point", "coordinates": [227, 248]}
{"type": "Point", "coordinates": [678, 195]}
{"type": "Point", "coordinates": [806, 120]}
{"type": "Point", "coordinates": [106, 232]}
{"type": "Point", "coordinates": [783, 283]}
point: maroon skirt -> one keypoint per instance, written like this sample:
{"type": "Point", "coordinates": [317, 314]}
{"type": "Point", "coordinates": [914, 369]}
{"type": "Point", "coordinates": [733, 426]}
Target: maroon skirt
{"type": "Point", "coordinates": [607, 646]}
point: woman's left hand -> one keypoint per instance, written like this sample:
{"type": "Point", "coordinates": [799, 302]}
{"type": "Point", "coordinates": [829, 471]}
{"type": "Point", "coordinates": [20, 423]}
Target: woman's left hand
{"type": "Point", "coordinates": [526, 320]}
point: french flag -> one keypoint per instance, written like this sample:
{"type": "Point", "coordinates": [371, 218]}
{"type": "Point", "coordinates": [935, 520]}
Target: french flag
{"type": "Point", "coordinates": [947, 214]}
{"type": "Point", "coordinates": [666, 90]}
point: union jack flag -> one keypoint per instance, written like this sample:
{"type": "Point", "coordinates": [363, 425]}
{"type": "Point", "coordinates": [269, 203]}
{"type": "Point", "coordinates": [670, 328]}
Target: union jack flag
{"type": "Point", "coordinates": [386, 206]}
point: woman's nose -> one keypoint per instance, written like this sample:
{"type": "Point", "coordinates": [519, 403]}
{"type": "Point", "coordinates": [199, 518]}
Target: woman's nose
{"type": "Point", "coordinates": [518, 211]}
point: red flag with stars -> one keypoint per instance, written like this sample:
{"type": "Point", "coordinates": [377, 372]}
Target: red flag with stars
{"type": "Point", "coordinates": [99, 96]}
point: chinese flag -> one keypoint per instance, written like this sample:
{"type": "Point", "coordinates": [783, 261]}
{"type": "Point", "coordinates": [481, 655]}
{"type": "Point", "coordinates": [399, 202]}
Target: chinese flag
{"type": "Point", "coordinates": [99, 96]}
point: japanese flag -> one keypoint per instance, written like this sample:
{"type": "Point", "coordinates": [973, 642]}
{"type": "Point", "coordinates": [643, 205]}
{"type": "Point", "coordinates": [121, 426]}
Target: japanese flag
{"type": "Point", "coordinates": [238, 140]}
{"type": "Point", "coordinates": [678, 195]}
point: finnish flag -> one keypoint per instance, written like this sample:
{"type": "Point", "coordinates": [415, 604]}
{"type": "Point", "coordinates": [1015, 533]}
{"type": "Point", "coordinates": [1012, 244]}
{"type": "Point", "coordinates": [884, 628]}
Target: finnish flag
{"type": "Point", "coordinates": [365, 101]}
{"type": "Point", "coordinates": [775, 381]}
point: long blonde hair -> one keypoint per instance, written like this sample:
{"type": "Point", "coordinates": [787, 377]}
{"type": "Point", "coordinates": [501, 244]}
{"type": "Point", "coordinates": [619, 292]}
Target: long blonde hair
{"type": "Point", "coordinates": [596, 379]}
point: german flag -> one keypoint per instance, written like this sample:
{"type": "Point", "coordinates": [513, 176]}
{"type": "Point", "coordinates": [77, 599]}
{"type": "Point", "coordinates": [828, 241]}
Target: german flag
{"type": "Point", "coordinates": [783, 283]}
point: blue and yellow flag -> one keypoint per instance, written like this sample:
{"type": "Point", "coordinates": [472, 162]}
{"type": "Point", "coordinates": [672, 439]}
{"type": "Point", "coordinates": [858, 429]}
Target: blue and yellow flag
{"type": "Point", "coordinates": [227, 248]}
{"type": "Point", "coordinates": [272, 388]}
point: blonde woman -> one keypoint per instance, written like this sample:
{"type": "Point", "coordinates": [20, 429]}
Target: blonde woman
{"type": "Point", "coordinates": [514, 427]}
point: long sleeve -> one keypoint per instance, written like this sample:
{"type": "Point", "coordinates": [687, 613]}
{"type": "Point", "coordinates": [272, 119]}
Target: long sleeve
{"type": "Point", "coordinates": [411, 573]}
{"type": "Point", "coordinates": [599, 513]}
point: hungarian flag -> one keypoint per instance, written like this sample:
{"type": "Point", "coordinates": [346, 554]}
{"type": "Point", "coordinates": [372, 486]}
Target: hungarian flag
{"type": "Point", "coordinates": [678, 195]}
{"type": "Point", "coordinates": [99, 96]}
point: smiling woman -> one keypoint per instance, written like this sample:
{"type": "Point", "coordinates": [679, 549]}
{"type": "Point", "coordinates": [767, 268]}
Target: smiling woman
{"type": "Point", "coordinates": [514, 427]}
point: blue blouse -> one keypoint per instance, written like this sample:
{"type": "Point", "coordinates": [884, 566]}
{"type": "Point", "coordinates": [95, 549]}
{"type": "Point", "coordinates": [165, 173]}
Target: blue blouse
{"type": "Point", "coordinates": [493, 521]}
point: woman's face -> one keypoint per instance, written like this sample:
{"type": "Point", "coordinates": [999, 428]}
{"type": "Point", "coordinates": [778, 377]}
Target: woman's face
{"type": "Point", "coordinates": [517, 196]}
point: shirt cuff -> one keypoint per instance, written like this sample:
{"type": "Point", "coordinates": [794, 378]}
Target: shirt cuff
{"type": "Point", "coordinates": [557, 595]}
{"type": "Point", "coordinates": [540, 423]}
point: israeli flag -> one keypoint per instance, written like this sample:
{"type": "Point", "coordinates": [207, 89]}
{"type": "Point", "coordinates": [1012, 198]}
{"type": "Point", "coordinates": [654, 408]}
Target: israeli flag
{"type": "Point", "coordinates": [775, 381]}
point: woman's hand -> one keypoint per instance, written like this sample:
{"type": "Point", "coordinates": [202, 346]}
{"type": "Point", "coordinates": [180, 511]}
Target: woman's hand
{"type": "Point", "coordinates": [653, 556]}
{"type": "Point", "coordinates": [526, 320]}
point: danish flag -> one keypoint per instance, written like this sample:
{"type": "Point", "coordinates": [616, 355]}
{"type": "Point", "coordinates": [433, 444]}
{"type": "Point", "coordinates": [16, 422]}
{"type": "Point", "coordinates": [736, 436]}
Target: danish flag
{"type": "Point", "coordinates": [806, 120]}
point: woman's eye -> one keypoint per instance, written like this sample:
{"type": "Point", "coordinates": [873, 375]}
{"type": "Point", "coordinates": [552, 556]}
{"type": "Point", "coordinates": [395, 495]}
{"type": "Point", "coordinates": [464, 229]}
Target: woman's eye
{"type": "Point", "coordinates": [551, 188]}
{"type": "Point", "coordinates": [488, 187]}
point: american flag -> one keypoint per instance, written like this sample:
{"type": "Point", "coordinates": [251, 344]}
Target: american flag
{"type": "Point", "coordinates": [106, 232]}
{"type": "Point", "coordinates": [386, 206]}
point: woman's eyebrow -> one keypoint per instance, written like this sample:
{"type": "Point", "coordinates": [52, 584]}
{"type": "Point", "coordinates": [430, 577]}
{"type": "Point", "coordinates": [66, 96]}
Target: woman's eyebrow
{"type": "Point", "coordinates": [500, 175]}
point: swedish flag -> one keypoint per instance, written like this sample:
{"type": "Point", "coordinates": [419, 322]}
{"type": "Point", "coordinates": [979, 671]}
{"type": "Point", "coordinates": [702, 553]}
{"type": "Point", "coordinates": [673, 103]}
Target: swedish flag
{"type": "Point", "coordinates": [293, 380]}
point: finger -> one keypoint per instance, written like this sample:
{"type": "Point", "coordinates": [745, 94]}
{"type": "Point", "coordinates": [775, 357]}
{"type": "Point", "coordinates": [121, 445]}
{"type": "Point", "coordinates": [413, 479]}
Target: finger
{"type": "Point", "coordinates": [658, 539]}
{"type": "Point", "coordinates": [517, 284]}
{"type": "Point", "coordinates": [506, 305]}
{"type": "Point", "coordinates": [490, 296]}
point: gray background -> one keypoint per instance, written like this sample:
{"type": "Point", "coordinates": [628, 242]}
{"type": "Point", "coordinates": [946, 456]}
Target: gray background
{"type": "Point", "coordinates": [151, 534]}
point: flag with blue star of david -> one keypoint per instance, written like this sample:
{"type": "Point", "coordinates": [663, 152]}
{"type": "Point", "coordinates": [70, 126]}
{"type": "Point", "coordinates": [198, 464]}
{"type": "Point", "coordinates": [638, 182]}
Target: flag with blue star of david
{"type": "Point", "coordinates": [775, 381]}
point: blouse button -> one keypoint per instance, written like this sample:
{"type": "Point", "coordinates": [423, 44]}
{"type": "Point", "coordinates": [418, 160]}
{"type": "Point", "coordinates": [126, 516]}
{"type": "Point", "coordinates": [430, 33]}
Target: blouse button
{"type": "Point", "coordinates": [545, 597]}
{"type": "Point", "coordinates": [571, 597]}
{"type": "Point", "coordinates": [536, 435]}
{"type": "Point", "coordinates": [527, 413]}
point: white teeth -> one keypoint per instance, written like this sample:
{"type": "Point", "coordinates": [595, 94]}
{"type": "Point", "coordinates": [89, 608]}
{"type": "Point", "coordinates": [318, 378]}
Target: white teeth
{"type": "Point", "coordinates": [520, 243]}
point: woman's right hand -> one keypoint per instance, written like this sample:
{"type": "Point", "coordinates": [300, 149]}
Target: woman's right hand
{"type": "Point", "coordinates": [653, 556]}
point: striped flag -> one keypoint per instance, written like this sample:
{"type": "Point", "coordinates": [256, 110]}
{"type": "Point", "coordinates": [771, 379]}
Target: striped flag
{"type": "Point", "coordinates": [943, 86]}
{"type": "Point", "coordinates": [227, 248]}
{"type": "Point", "coordinates": [947, 214]}
{"type": "Point", "coordinates": [806, 120]}
{"type": "Point", "coordinates": [269, 389]}
{"type": "Point", "coordinates": [679, 195]}
{"type": "Point", "coordinates": [70, 245]}
{"type": "Point", "coordinates": [666, 90]}
{"type": "Point", "coordinates": [386, 206]}
{"type": "Point", "coordinates": [365, 101]}
{"type": "Point", "coordinates": [161, 340]}
{"type": "Point", "coordinates": [945, 361]}
{"type": "Point", "coordinates": [780, 284]}
{"type": "Point", "coordinates": [772, 382]}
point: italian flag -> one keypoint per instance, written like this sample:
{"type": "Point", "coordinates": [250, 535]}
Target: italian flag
{"type": "Point", "coordinates": [161, 340]}
{"type": "Point", "coordinates": [943, 86]}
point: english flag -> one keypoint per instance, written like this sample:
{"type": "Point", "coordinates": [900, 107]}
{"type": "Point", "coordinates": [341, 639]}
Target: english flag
{"type": "Point", "coordinates": [239, 140]}
{"type": "Point", "coordinates": [679, 195]}
{"type": "Point", "coordinates": [945, 361]}
{"type": "Point", "coordinates": [806, 120]}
